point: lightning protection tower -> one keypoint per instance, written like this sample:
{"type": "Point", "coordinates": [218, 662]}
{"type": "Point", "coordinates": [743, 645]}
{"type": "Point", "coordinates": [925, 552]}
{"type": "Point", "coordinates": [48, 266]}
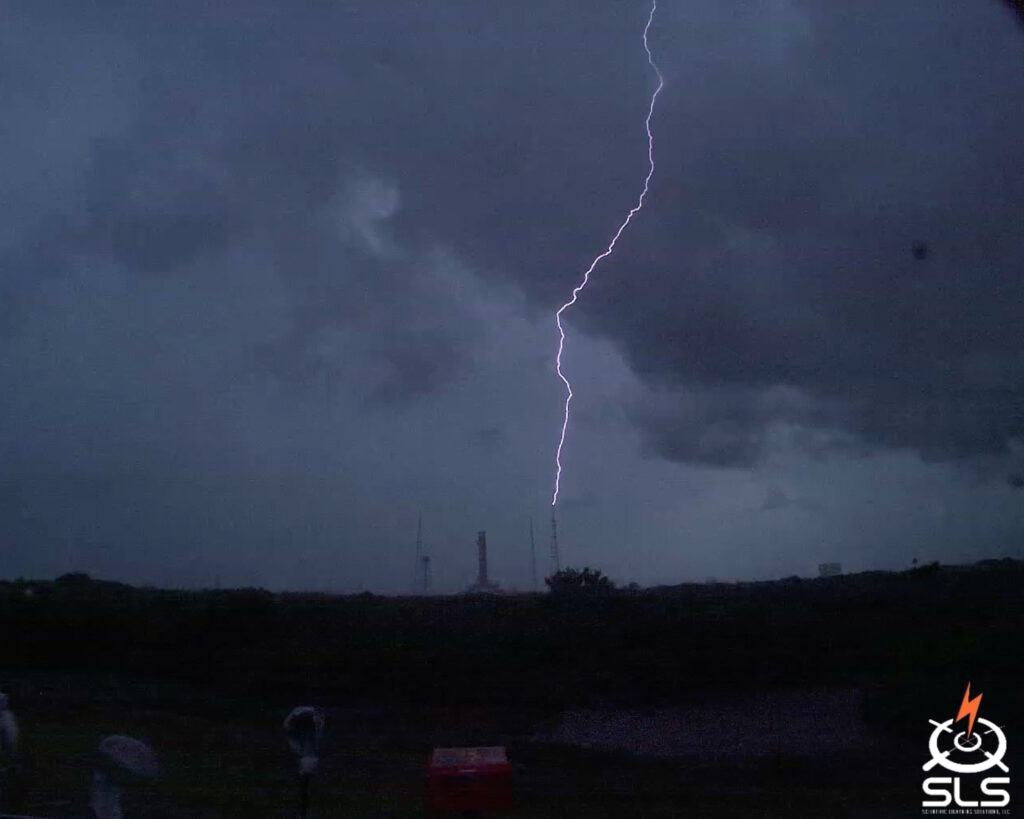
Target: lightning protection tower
{"type": "Point", "coordinates": [417, 566]}
{"type": "Point", "coordinates": [533, 559]}
{"type": "Point", "coordinates": [555, 562]}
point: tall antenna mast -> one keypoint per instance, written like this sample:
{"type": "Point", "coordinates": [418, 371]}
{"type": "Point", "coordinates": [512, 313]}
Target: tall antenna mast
{"type": "Point", "coordinates": [554, 544]}
{"type": "Point", "coordinates": [533, 558]}
{"type": "Point", "coordinates": [417, 565]}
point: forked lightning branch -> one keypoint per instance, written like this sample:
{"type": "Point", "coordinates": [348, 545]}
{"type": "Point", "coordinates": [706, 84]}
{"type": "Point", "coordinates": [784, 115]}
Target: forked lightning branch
{"type": "Point", "coordinates": [608, 251]}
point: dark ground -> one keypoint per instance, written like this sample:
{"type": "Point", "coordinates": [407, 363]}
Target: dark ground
{"type": "Point", "coordinates": [793, 698]}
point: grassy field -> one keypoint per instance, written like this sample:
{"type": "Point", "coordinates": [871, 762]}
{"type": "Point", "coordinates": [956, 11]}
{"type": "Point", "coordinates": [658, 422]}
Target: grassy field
{"type": "Point", "coordinates": [207, 678]}
{"type": "Point", "coordinates": [373, 766]}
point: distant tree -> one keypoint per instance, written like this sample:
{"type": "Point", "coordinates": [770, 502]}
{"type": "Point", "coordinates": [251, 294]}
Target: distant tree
{"type": "Point", "coordinates": [74, 579]}
{"type": "Point", "coordinates": [927, 570]}
{"type": "Point", "coordinates": [579, 581]}
{"type": "Point", "coordinates": [75, 584]}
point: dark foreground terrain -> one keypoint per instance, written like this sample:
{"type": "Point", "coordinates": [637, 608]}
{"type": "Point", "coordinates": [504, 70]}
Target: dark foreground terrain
{"type": "Point", "coordinates": [792, 698]}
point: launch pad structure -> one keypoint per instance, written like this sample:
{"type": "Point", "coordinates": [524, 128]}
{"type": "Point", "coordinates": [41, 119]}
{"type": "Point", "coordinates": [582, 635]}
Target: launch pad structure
{"type": "Point", "coordinates": [483, 584]}
{"type": "Point", "coordinates": [421, 579]}
{"type": "Point", "coordinates": [421, 568]}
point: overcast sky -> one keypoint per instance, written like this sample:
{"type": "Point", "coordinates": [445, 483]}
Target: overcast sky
{"type": "Point", "coordinates": [277, 278]}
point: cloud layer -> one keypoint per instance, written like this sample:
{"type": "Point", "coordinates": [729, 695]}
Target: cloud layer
{"type": "Point", "coordinates": [262, 266]}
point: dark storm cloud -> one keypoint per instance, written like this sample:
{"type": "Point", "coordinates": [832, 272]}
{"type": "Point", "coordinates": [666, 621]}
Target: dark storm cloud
{"type": "Point", "coordinates": [812, 198]}
{"type": "Point", "coordinates": [27, 269]}
{"type": "Point", "coordinates": [729, 425]}
{"type": "Point", "coordinates": [804, 150]}
{"type": "Point", "coordinates": [227, 215]}
{"type": "Point", "coordinates": [255, 124]}
{"type": "Point", "coordinates": [418, 364]}
{"type": "Point", "coordinates": [778, 498]}
{"type": "Point", "coordinates": [251, 143]}
{"type": "Point", "coordinates": [147, 224]}
{"type": "Point", "coordinates": [796, 172]}
{"type": "Point", "coordinates": [803, 153]}
{"type": "Point", "coordinates": [280, 188]}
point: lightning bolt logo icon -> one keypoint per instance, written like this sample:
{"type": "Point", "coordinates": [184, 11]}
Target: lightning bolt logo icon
{"type": "Point", "coordinates": [611, 246]}
{"type": "Point", "coordinates": [968, 708]}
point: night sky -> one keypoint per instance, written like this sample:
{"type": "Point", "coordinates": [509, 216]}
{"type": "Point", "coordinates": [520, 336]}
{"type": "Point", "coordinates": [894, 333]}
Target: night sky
{"type": "Point", "coordinates": [277, 278]}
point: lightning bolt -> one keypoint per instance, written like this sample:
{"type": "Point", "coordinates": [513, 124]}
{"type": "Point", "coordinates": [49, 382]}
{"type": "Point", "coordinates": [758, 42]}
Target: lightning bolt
{"type": "Point", "coordinates": [968, 708]}
{"type": "Point", "coordinates": [607, 252]}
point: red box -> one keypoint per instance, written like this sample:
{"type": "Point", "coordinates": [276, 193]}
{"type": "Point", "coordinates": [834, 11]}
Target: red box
{"type": "Point", "coordinates": [469, 779]}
